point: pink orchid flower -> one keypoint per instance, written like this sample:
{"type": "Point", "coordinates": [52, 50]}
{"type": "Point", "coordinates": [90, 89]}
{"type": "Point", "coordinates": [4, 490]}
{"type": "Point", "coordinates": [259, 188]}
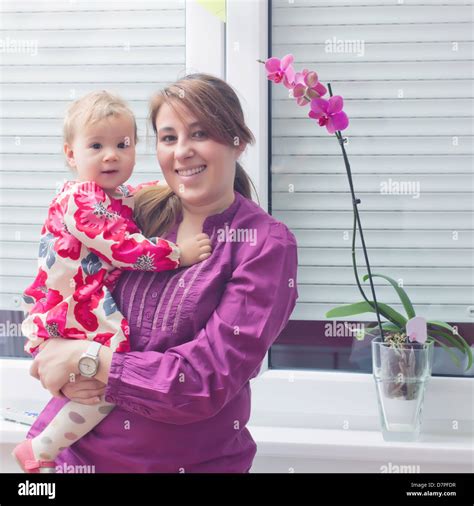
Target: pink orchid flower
{"type": "Point", "coordinates": [329, 113]}
{"type": "Point", "coordinates": [307, 87]}
{"type": "Point", "coordinates": [417, 329]}
{"type": "Point", "coordinates": [281, 70]}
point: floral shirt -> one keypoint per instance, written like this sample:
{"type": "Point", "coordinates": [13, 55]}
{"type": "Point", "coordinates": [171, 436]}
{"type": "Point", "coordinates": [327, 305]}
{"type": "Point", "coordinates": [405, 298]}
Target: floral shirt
{"type": "Point", "coordinates": [86, 240]}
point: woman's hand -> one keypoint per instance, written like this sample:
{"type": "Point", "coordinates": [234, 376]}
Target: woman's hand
{"type": "Point", "coordinates": [84, 390]}
{"type": "Point", "coordinates": [57, 363]}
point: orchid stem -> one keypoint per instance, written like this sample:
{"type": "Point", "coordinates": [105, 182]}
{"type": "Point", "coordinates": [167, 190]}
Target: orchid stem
{"type": "Point", "coordinates": [355, 202]}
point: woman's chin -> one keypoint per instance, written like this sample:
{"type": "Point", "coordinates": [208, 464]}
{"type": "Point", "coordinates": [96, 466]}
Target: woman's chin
{"type": "Point", "coordinates": [194, 196]}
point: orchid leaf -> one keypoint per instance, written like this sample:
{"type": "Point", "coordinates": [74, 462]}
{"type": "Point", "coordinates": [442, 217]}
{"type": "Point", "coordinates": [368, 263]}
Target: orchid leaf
{"type": "Point", "coordinates": [372, 331]}
{"type": "Point", "coordinates": [386, 326]}
{"type": "Point", "coordinates": [392, 327]}
{"type": "Point", "coordinates": [448, 327]}
{"type": "Point", "coordinates": [451, 337]}
{"type": "Point", "coordinates": [365, 307]}
{"type": "Point", "coordinates": [400, 291]}
{"type": "Point", "coordinates": [349, 310]}
{"type": "Point", "coordinates": [458, 344]}
{"type": "Point", "coordinates": [454, 358]}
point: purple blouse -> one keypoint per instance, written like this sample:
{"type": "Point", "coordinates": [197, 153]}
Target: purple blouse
{"type": "Point", "coordinates": [198, 335]}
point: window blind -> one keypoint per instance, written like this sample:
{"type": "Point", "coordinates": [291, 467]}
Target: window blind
{"type": "Point", "coordinates": [405, 71]}
{"type": "Point", "coordinates": [53, 52]}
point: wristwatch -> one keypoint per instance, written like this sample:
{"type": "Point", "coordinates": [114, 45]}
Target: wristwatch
{"type": "Point", "coordinates": [89, 361]}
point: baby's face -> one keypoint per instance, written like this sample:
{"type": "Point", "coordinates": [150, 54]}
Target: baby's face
{"type": "Point", "coordinates": [104, 152]}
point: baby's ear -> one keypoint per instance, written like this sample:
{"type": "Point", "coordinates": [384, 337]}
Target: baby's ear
{"type": "Point", "coordinates": [69, 154]}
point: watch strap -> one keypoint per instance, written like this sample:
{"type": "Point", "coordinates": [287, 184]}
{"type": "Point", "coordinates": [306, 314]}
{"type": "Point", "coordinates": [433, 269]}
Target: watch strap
{"type": "Point", "coordinates": [93, 349]}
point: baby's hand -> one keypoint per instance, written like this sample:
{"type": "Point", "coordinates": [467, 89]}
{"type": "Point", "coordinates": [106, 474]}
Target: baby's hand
{"type": "Point", "coordinates": [195, 250]}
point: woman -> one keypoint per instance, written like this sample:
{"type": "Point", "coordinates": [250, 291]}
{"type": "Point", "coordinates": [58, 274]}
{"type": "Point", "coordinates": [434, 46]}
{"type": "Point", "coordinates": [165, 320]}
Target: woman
{"type": "Point", "coordinates": [198, 334]}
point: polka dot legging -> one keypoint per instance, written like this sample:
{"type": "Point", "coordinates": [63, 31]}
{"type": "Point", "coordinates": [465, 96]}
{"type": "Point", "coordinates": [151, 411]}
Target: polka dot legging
{"type": "Point", "coordinates": [72, 422]}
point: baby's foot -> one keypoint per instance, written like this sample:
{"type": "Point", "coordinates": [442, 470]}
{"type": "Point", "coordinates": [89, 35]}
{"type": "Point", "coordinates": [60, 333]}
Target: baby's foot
{"type": "Point", "coordinates": [29, 462]}
{"type": "Point", "coordinates": [195, 250]}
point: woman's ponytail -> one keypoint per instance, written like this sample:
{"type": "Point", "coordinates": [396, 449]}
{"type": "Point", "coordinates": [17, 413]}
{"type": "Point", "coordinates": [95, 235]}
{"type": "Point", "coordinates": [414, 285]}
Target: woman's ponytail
{"type": "Point", "coordinates": [156, 210]}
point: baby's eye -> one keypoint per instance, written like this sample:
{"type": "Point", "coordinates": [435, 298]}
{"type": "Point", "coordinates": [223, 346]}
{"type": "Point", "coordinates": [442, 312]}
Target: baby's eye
{"type": "Point", "coordinates": [96, 145]}
{"type": "Point", "coordinates": [122, 145]}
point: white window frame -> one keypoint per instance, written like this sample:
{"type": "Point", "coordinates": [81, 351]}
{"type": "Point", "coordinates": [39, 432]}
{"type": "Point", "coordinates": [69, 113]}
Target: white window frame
{"type": "Point", "coordinates": [205, 41]}
{"type": "Point", "coordinates": [328, 405]}
{"type": "Point", "coordinates": [317, 395]}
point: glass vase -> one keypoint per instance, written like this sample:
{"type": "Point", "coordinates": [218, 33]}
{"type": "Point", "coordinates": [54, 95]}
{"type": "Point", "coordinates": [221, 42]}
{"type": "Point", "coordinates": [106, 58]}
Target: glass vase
{"type": "Point", "coordinates": [401, 374]}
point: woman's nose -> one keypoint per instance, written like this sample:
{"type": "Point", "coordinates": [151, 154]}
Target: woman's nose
{"type": "Point", "coordinates": [183, 150]}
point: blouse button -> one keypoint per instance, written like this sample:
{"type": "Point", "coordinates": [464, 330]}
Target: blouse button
{"type": "Point", "coordinates": [148, 315]}
{"type": "Point", "coordinates": [154, 295]}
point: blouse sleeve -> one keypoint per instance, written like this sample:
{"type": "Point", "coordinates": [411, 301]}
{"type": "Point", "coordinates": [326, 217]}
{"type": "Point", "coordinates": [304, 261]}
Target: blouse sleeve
{"type": "Point", "coordinates": [107, 228]}
{"type": "Point", "coordinates": [195, 380]}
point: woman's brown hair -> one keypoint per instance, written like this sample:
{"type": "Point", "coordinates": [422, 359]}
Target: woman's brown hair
{"type": "Point", "coordinates": [217, 108]}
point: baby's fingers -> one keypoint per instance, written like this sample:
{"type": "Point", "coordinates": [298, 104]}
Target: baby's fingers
{"type": "Point", "coordinates": [203, 256]}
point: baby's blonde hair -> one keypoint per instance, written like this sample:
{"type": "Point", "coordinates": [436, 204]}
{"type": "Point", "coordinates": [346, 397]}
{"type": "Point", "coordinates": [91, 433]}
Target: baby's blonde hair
{"type": "Point", "coordinates": [93, 107]}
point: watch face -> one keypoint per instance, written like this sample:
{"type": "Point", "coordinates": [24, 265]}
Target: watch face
{"type": "Point", "coordinates": [87, 366]}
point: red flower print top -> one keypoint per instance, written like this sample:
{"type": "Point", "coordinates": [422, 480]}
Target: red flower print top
{"type": "Point", "coordinates": [86, 240]}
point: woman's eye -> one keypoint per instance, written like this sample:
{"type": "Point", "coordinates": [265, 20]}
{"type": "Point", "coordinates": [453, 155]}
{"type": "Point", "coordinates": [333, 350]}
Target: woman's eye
{"type": "Point", "coordinates": [96, 145]}
{"type": "Point", "coordinates": [168, 138]}
{"type": "Point", "coordinates": [200, 134]}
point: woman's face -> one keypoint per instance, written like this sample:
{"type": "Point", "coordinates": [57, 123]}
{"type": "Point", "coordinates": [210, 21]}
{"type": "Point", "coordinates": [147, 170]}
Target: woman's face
{"type": "Point", "coordinates": [198, 169]}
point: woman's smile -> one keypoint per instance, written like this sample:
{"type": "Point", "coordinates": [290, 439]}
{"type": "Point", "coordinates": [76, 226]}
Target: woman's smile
{"type": "Point", "coordinates": [191, 172]}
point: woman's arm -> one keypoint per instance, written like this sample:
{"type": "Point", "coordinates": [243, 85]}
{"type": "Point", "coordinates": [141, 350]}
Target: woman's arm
{"type": "Point", "coordinates": [105, 359]}
{"type": "Point", "coordinates": [194, 381]}
{"type": "Point", "coordinates": [56, 364]}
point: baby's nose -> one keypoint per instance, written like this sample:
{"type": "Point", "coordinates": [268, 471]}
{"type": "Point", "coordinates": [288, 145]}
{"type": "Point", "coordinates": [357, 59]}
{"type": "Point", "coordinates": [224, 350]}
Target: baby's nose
{"type": "Point", "coordinates": [110, 155]}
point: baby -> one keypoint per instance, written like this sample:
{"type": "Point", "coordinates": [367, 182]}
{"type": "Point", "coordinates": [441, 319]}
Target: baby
{"type": "Point", "coordinates": [88, 237]}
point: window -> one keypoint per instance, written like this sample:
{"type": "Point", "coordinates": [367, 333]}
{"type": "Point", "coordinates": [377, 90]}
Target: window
{"type": "Point", "coordinates": [405, 72]}
{"type": "Point", "coordinates": [52, 53]}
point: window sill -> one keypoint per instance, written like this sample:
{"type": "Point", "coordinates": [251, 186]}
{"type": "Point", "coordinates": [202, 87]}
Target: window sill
{"type": "Point", "coordinates": [286, 449]}
{"type": "Point", "coordinates": [317, 421]}
{"type": "Point", "coordinates": [340, 400]}
{"type": "Point", "coordinates": [327, 421]}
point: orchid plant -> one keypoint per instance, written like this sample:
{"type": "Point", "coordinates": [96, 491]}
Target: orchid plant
{"type": "Point", "coordinates": [306, 88]}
